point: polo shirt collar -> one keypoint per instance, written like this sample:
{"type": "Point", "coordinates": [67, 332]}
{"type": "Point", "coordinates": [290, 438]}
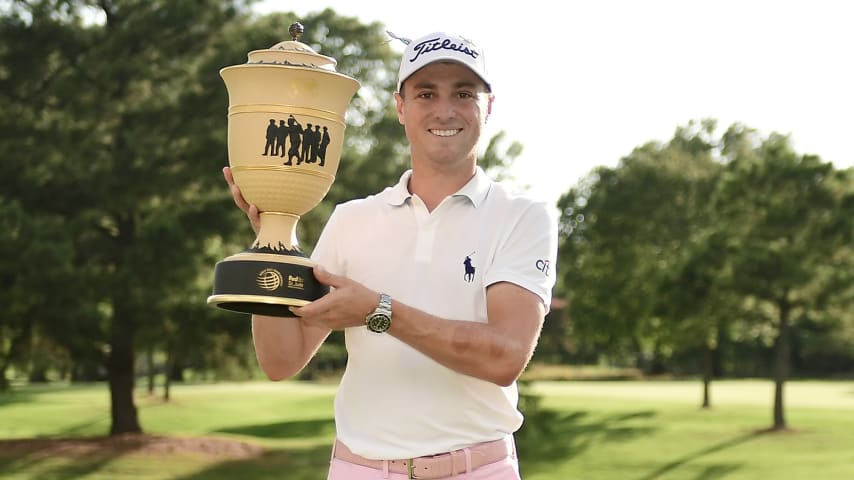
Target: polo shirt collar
{"type": "Point", "coordinates": [475, 190]}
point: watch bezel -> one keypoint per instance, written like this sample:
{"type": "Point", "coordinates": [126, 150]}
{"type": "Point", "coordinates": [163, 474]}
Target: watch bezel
{"type": "Point", "coordinates": [379, 322]}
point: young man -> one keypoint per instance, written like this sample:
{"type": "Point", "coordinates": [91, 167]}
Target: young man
{"type": "Point", "coordinates": [439, 286]}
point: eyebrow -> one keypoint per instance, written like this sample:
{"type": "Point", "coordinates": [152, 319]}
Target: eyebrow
{"type": "Point", "coordinates": [430, 84]}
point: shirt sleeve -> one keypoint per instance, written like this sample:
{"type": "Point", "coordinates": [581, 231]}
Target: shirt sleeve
{"type": "Point", "coordinates": [527, 256]}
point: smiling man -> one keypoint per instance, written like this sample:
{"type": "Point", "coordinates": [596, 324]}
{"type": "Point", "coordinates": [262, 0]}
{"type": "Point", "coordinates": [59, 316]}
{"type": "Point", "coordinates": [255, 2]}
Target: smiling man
{"type": "Point", "coordinates": [436, 282]}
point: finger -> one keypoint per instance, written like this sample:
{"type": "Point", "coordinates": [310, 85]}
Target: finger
{"type": "Point", "coordinates": [236, 194]}
{"type": "Point", "coordinates": [254, 217]}
{"type": "Point", "coordinates": [229, 177]}
{"type": "Point", "coordinates": [250, 210]}
{"type": "Point", "coordinates": [310, 309]}
{"type": "Point", "coordinates": [326, 277]}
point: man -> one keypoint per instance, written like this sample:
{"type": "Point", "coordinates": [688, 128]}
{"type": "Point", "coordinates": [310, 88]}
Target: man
{"type": "Point", "coordinates": [437, 287]}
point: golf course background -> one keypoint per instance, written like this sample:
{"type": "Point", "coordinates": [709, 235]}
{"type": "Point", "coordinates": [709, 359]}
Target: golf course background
{"type": "Point", "coordinates": [638, 430]}
{"type": "Point", "coordinates": [722, 253]}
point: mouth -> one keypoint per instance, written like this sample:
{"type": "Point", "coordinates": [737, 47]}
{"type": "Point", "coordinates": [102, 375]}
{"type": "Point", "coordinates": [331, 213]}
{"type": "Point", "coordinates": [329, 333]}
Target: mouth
{"type": "Point", "coordinates": [445, 133]}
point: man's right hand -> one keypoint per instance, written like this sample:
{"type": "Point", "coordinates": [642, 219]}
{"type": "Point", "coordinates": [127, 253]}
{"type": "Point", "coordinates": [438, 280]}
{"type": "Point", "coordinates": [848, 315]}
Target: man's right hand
{"type": "Point", "coordinates": [251, 211]}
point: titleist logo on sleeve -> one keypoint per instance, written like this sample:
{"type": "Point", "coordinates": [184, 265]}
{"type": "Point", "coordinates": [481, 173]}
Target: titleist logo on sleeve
{"type": "Point", "coordinates": [433, 44]}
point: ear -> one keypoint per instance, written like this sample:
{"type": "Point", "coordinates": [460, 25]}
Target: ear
{"type": "Point", "coordinates": [491, 98]}
{"type": "Point", "coordinates": [398, 100]}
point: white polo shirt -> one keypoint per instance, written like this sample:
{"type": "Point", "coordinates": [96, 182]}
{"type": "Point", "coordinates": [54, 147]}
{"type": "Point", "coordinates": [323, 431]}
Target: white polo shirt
{"type": "Point", "coordinates": [393, 401]}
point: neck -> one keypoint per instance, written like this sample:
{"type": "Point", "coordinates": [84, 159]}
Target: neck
{"type": "Point", "coordinates": [433, 186]}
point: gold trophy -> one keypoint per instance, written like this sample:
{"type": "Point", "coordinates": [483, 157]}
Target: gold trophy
{"type": "Point", "coordinates": [285, 133]}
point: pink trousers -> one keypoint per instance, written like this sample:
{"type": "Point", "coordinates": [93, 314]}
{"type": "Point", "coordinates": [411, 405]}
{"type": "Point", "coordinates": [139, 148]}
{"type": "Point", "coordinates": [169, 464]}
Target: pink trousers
{"type": "Point", "coordinates": [506, 469]}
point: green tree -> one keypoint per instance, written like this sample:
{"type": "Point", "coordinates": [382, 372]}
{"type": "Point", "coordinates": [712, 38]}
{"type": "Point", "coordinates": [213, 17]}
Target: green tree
{"type": "Point", "coordinates": [38, 268]}
{"type": "Point", "coordinates": [102, 129]}
{"type": "Point", "coordinates": [789, 224]}
{"type": "Point", "coordinates": [702, 241]}
{"type": "Point", "coordinates": [625, 231]}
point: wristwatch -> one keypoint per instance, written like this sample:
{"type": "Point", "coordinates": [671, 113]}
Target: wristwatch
{"type": "Point", "coordinates": [379, 320]}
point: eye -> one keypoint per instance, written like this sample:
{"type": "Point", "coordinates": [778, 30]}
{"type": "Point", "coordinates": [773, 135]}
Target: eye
{"type": "Point", "coordinates": [465, 95]}
{"type": "Point", "coordinates": [425, 95]}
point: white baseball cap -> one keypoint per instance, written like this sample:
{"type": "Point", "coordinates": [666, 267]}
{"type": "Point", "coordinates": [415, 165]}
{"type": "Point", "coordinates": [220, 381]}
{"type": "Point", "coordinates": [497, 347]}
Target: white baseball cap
{"type": "Point", "coordinates": [441, 47]}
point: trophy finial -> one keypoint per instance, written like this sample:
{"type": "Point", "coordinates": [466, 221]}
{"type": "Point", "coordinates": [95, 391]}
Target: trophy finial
{"type": "Point", "coordinates": [296, 29]}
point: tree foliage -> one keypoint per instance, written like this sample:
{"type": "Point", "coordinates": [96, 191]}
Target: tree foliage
{"type": "Point", "coordinates": [708, 240]}
{"type": "Point", "coordinates": [626, 230]}
{"type": "Point", "coordinates": [789, 224]}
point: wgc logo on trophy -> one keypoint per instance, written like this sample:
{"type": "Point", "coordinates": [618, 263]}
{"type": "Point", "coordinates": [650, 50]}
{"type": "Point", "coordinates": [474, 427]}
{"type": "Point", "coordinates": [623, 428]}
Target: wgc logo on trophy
{"type": "Point", "coordinates": [286, 110]}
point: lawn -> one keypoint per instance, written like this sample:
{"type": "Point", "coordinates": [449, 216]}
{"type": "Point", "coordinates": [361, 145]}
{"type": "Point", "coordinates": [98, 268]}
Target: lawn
{"type": "Point", "coordinates": [635, 430]}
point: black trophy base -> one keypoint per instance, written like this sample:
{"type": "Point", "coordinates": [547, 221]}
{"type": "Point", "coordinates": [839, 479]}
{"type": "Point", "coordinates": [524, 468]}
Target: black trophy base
{"type": "Point", "coordinates": [265, 284]}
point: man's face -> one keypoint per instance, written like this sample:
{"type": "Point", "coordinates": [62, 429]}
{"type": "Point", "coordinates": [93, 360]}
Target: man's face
{"type": "Point", "coordinates": [443, 108]}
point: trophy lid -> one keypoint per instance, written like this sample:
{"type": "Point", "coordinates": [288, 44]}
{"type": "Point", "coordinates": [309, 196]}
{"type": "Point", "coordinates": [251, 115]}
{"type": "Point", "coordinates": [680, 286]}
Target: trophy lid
{"type": "Point", "coordinates": [293, 53]}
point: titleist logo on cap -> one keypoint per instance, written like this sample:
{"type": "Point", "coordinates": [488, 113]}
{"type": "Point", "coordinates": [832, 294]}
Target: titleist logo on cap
{"type": "Point", "coordinates": [433, 44]}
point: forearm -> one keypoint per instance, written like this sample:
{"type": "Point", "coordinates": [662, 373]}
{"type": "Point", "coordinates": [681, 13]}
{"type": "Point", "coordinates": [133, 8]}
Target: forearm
{"type": "Point", "coordinates": [283, 345]}
{"type": "Point", "coordinates": [481, 350]}
{"type": "Point", "coordinates": [496, 350]}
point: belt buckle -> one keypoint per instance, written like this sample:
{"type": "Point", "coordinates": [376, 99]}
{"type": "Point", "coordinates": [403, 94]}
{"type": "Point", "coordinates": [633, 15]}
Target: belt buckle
{"type": "Point", "coordinates": [411, 468]}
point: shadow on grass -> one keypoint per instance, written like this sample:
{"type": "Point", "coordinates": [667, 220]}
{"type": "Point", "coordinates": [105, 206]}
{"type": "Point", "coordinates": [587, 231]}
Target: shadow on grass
{"type": "Point", "coordinates": [71, 457]}
{"type": "Point", "coordinates": [299, 463]}
{"type": "Point", "coordinates": [82, 428]}
{"type": "Point", "coordinates": [295, 429]}
{"type": "Point", "coordinates": [292, 464]}
{"type": "Point", "coordinates": [715, 472]}
{"type": "Point", "coordinates": [13, 396]}
{"type": "Point", "coordinates": [75, 457]}
{"type": "Point", "coordinates": [310, 463]}
{"type": "Point", "coordinates": [712, 472]}
{"type": "Point", "coordinates": [549, 437]}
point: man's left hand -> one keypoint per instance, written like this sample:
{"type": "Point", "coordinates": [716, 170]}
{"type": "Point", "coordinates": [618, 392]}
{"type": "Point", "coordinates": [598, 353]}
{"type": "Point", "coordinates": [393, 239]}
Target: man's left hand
{"type": "Point", "coordinates": [346, 305]}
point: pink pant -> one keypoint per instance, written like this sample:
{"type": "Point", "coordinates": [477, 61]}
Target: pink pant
{"type": "Point", "coordinates": [506, 469]}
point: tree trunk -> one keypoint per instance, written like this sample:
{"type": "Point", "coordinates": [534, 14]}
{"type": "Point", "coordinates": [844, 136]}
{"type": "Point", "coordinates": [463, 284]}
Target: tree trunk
{"type": "Point", "coordinates": [38, 374]}
{"type": "Point", "coordinates": [149, 360]}
{"type": "Point", "coordinates": [120, 372]}
{"type": "Point", "coordinates": [16, 348]}
{"type": "Point", "coordinates": [4, 382]}
{"type": "Point", "coordinates": [781, 363]}
{"type": "Point", "coordinates": [167, 381]}
{"type": "Point", "coordinates": [708, 368]}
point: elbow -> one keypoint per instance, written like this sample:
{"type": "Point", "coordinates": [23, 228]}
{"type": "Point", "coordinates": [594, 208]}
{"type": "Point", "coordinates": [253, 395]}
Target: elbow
{"type": "Point", "coordinates": [505, 373]}
{"type": "Point", "coordinates": [498, 362]}
{"type": "Point", "coordinates": [504, 381]}
{"type": "Point", "coordinates": [276, 376]}
{"type": "Point", "coordinates": [278, 371]}
{"type": "Point", "coordinates": [507, 376]}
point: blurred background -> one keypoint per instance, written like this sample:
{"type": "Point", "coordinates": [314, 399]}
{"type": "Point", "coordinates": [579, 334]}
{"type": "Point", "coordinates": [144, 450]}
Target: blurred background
{"type": "Point", "coordinates": [701, 327]}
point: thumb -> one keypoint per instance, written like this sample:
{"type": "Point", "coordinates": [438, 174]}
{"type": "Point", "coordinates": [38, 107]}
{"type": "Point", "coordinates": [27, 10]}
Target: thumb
{"type": "Point", "coordinates": [325, 277]}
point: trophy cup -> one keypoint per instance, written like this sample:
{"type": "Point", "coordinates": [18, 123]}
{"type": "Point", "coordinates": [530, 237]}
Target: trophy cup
{"type": "Point", "coordinates": [285, 133]}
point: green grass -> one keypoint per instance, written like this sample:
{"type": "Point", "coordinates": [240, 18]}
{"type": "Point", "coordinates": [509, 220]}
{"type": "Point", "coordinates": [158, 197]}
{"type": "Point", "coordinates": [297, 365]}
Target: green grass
{"type": "Point", "coordinates": [634, 430]}
{"type": "Point", "coordinates": [655, 430]}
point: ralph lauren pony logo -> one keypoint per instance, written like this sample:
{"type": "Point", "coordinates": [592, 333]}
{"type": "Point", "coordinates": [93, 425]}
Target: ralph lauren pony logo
{"type": "Point", "coordinates": [469, 275]}
{"type": "Point", "coordinates": [432, 44]}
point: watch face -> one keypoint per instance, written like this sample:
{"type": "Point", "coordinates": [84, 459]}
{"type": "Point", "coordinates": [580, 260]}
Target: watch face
{"type": "Point", "coordinates": [379, 323]}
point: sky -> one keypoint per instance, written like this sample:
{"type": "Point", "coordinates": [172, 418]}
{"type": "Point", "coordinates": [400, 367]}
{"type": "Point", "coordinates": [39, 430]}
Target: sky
{"type": "Point", "coordinates": [582, 85]}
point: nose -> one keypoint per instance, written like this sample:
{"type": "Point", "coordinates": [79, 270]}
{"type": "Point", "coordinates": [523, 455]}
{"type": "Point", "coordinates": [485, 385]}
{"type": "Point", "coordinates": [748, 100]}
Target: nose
{"type": "Point", "coordinates": [445, 108]}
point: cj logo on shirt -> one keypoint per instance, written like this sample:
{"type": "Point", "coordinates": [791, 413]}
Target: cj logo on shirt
{"type": "Point", "coordinates": [543, 266]}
